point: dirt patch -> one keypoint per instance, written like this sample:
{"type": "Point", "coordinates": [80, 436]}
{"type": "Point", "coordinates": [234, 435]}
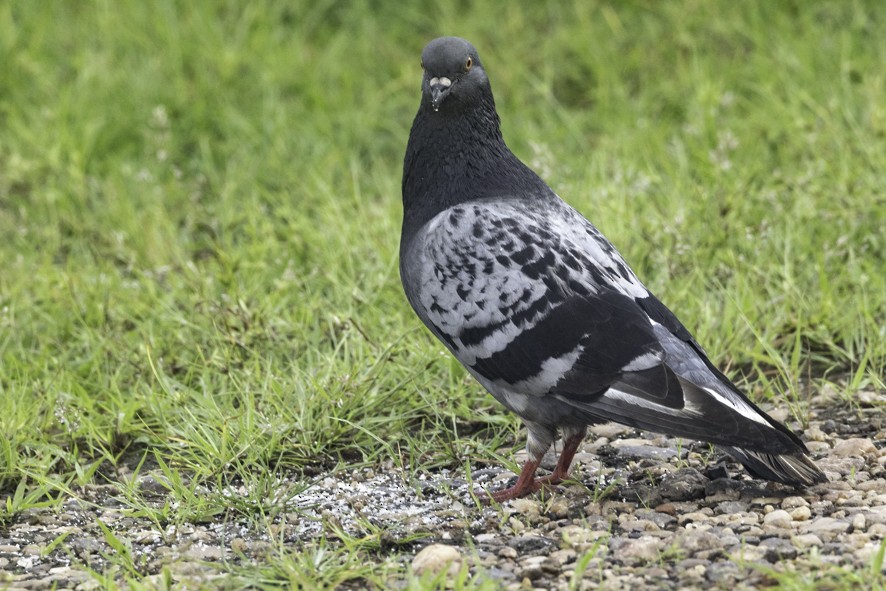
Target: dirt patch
{"type": "Point", "coordinates": [645, 511]}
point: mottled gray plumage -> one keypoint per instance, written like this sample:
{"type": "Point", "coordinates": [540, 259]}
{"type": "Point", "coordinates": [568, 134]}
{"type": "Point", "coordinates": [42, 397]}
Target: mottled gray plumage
{"type": "Point", "coordinates": [537, 304]}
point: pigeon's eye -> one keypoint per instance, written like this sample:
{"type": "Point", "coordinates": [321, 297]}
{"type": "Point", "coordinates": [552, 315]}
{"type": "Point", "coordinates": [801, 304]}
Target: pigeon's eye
{"type": "Point", "coordinates": [469, 63]}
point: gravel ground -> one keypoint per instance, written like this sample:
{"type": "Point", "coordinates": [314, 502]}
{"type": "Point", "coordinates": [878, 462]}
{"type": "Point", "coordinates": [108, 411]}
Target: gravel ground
{"type": "Point", "coordinates": [648, 514]}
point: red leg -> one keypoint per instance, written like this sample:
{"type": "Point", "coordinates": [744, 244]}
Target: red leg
{"type": "Point", "coordinates": [527, 483]}
{"type": "Point", "coordinates": [561, 471]}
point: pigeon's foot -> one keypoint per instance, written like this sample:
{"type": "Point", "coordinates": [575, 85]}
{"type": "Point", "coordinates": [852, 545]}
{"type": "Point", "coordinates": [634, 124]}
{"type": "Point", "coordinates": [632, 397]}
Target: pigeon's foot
{"type": "Point", "coordinates": [518, 490]}
{"type": "Point", "coordinates": [527, 483]}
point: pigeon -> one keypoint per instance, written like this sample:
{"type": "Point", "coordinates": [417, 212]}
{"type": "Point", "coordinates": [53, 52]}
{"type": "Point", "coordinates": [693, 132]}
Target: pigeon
{"type": "Point", "coordinates": [540, 307]}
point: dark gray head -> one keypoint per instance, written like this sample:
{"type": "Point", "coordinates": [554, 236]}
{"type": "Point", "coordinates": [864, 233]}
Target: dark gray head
{"type": "Point", "coordinates": [454, 79]}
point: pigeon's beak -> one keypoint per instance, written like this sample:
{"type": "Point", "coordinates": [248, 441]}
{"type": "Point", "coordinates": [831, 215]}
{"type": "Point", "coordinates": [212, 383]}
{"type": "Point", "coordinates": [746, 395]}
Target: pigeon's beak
{"type": "Point", "coordinates": [439, 90]}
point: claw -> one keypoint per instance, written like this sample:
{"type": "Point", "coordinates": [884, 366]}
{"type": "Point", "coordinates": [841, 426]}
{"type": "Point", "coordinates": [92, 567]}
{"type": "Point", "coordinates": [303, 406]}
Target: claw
{"type": "Point", "coordinates": [527, 483]}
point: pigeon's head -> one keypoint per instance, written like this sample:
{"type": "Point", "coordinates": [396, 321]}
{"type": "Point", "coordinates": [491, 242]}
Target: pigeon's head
{"type": "Point", "coordinates": [453, 74]}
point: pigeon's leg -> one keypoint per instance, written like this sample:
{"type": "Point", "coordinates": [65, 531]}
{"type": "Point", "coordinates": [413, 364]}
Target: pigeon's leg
{"type": "Point", "coordinates": [571, 441]}
{"type": "Point", "coordinates": [538, 441]}
{"type": "Point", "coordinates": [526, 484]}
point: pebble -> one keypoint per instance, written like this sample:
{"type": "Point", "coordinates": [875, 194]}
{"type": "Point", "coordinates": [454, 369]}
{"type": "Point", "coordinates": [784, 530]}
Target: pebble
{"type": "Point", "coordinates": [693, 517]}
{"type": "Point", "coordinates": [778, 549]}
{"type": "Point", "coordinates": [705, 530]}
{"type": "Point", "coordinates": [876, 484]}
{"type": "Point", "coordinates": [527, 507]}
{"type": "Point", "coordinates": [435, 558]}
{"type": "Point", "coordinates": [694, 541]}
{"type": "Point", "coordinates": [530, 544]}
{"type": "Point", "coordinates": [800, 513]}
{"type": "Point", "coordinates": [854, 447]}
{"type": "Point", "coordinates": [684, 485]}
{"type": "Point", "coordinates": [826, 527]}
{"type": "Point", "coordinates": [641, 550]}
{"type": "Point", "coordinates": [574, 535]}
{"type": "Point", "coordinates": [804, 541]}
{"type": "Point", "coordinates": [562, 557]}
{"type": "Point", "coordinates": [877, 530]}
{"type": "Point", "coordinates": [858, 522]}
{"type": "Point", "coordinates": [778, 518]}
{"type": "Point", "coordinates": [667, 508]}
{"type": "Point", "coordinates": [531, 568]}
{"type": "Point", "coordinates": [507, 552]}
{"type": "Point", "coordinates": [559, 509]}
{"type": "Point", "coordinates": [662, 520]}
{"type": "Point", "coordinates": [794, 502]}
{"type": "Point", "coordinates": [610, 430]}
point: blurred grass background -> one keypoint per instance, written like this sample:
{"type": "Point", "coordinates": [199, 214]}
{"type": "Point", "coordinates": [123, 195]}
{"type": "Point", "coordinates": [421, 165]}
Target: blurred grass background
{"type": "Point", "coordinates": [200, 208]}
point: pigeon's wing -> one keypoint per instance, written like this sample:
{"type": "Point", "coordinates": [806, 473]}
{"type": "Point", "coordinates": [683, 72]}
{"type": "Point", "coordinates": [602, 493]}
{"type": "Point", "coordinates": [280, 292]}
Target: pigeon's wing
{"type": "Point", "coordinates": [539, 303]}
{"type": "Point", "coordinates": [479, 275]}
{"type": "Point", "coordinates": [665, 387]}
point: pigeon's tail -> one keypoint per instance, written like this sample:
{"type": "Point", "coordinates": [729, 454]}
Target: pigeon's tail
{"type": "Point", "coordinates": [792, 469]}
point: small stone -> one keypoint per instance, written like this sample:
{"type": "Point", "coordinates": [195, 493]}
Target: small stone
{"type": "Point", "coordinates": [684, 485]}
{"type": "Point", "coordinates": [261, 548]}
{"type": "Point", "coordinates": [854, 447]}
{"type": "Point", "coordinates": [877, 530]}
{"type": "Point", "coordinates": [818, 446]}
{"type": "Point", "coordinates": [722, 572]}
{"type": "Point", "coordinates": [507, 552]}
{"type": "Point", "coordinates": [876, 484]}
{"type": "Point", "coordinates": [694, 541]}
{"type": "Point", "coordinates": [641, 449]}
{"type": "Point", "coordinates": [145, 537]}
{"type": "Point", "coordinates": [693, 517]}
{"type": "Point", "coordinates": [804, 541]}
{"type": "Point", "coordinates": [814, 433]}
{"type": "Point", "coordinates": [610, 430]}
{"type": "Point", "coordinates": [562, 557]}
{"type": "Point", "coordinates": [780, 414]}
{"type": "Point", "coordinates": [723, 490]}
{"type": "Point", "coordinates": [239, 545]}
{"type": "Point", "coordinates": [794, 502]}
{"type": "Point", "coordinates": [526, 507]}
{"type": "Point", "coordinates": [550, 566]}
{"type": "Point", "coordinates": [614, 508]}
{"type": "Point", "coordinates": [870, 398]}
{"type": "Point", "coordinates": [777, 549]}
{"type": "Point", "coordinates": [201, 551]}
{"type": "Point", "coordinates": [531, 568]}
{"type": "Point", "coordinates": [858, 522]}
{"type": "Point", "coordinates": [435, 558]}
{"type": "Point", "coordinates": [827, 526]}
{"type": "Point", "coordinates": [778, 518]}
{"type": "Point", "coordinates": [516, 525]}
{"type": "Point", "coordinates": [667, 508]}
{"type": "Point", "coordinates": [662, 520]}
{"type": "Point", "coordinates": [642, 550]}
{"type": "Point", "coordinates": [800, 513]}
{"type": "Point", "coordinates": [574, 535]}
{"type": "Point", "coordinates": [529, 544]}
{"type": "Point", "coordinates": [732, 507]}
{"type": "Point", "coordinates": [559, 509]}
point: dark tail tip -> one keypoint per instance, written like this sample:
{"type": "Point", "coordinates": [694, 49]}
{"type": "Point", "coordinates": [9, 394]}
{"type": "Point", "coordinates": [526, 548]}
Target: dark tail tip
{"type": "Point", "coordinates": [794, 469]}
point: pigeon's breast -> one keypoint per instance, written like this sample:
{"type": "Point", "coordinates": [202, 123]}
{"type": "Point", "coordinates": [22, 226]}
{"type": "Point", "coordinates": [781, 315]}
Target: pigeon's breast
{"type": "Point", "coordinates": [468, 285]}
{"type": "Point", "coordinates": [480, 274]}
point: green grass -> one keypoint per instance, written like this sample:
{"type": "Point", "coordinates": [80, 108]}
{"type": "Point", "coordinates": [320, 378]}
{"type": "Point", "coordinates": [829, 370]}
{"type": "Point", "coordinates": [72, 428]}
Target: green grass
{"type": "Point", "coordinates": [200, 206]}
